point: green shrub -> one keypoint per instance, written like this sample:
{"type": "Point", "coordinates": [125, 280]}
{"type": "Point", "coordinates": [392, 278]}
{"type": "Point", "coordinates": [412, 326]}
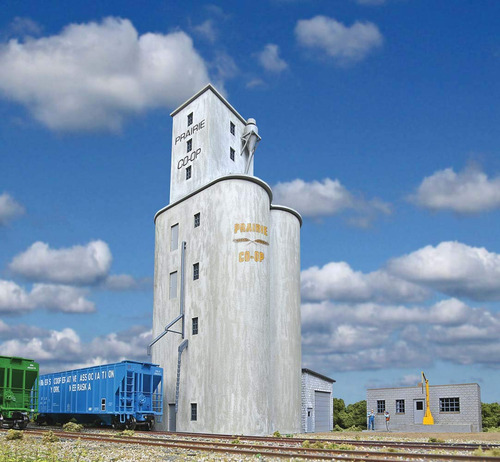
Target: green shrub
{"type": "Point", "coordinates": [306, 444]}
{"type": "Point", "coordinates": [126, 434]}
{"type": "Point", "coordinates": [49, 437]}
{"type": "Point", "coordinates": [72, 427]}
{"type": "Point", "coordinates": [277, 434]}
{"type": "Point", "coordinates": [435, 440]}
{"type": "Point", "coordinates": [337, 428]}
{"type": "Point", "coordinates": [14, 435]}
{"type": "Point", "coordinates": [318, 445]}
{"type": "Point", "coordinates": [236, 441]}
{"type": "Point", "coordinates": [346, 447]}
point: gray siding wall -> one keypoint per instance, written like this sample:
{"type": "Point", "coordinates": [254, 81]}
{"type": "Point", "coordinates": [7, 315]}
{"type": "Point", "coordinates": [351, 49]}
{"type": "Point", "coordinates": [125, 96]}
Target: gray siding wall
{"type": "Point", "coordinates": [470, 404]}
{"type": "Point", "coordinates": [310, 384]}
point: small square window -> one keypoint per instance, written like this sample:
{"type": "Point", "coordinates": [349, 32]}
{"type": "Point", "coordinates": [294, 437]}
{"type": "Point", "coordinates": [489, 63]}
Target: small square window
{"type": "Point", "coordinates": [232, 128]}
{"type": "Point", "coordinates": [188, 172]}
{"type": "Point", "coordinates": [195, 326]}
{"type": "Point", "coordinates": [196, 271]}
{"type": "Point", "coordinates": [400, 406]}
{"type": "Point", "coordinates": [380, 406]}
{"type": "Point", "coordinates": [231, 153]}
{"type": "Point", "coordinates": [190, 119]}
{"type": "Point", "coordinates": [194, 411]}
{"type": "Point", "coordinates": [449, 404]}
{"type": "Point", "coordinates": [197, 220]}
{"type": "Point", "coordinates": [190, 145]}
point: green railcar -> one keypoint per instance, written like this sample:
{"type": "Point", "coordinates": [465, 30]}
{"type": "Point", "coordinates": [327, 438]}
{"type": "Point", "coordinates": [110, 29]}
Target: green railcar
{"type": "Point", "coordinates": [18, 391]}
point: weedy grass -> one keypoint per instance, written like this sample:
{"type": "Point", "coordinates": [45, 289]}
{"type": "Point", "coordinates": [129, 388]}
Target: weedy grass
{"type": "Point", "coordinates": [72, 427]}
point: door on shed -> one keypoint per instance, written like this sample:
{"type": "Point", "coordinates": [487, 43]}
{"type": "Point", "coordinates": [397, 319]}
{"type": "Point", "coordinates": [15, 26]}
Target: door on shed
{"type": "Point", "coordinates": [322, 411]}
{"type": "Point", "coordinates": [171, 418]}
{"type": "Point", "coordinates": [418, 411]}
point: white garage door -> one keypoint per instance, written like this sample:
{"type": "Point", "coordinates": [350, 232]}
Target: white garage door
{"type": "Point", "coordinates": [322, 411]}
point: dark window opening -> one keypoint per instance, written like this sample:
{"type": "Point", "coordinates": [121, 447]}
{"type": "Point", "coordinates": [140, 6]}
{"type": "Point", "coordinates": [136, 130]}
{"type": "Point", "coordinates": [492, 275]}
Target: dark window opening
{"type": "Point", "coordinates": [232, 128]}
{"type": "Point", "coordinates": [194, 411]}
{"type": "Point", "coordinates": [197, 220]}
{"type": "Point", "coordinates": [195, 326]}
{"type": "Point", "coordinates": [449, 404]}
{"type": "Point", "coordinates": [231, 153]}
{"type": "Point", "coordinates": [188, 172]}
{"type": "Point", "coordinates": [380, 406]}
{"type": "Point", "coordinates": [196, 271]}
{"type": "Point", "coordinates": [190, 145]}
{"type": "Point", "coordinates": [190, 119]}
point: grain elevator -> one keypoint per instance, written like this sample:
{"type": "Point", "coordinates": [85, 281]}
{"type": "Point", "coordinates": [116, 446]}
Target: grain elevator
{"type": "Point", "coordinates": [226, 320]}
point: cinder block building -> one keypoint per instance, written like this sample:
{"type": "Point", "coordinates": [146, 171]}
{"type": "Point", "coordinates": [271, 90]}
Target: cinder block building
{"type": "Point", "coordinates": [317, 402]}
{"type": "Point", "coordinates": [455, 408]}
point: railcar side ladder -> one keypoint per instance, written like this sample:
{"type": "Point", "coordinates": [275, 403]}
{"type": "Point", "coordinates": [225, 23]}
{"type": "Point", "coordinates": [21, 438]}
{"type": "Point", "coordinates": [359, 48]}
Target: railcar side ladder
{"type": "Point", "coordinates": [127, 391]}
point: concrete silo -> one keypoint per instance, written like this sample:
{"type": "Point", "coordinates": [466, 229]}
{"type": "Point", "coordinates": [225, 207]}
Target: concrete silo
{"type": "Point", "coordinates": [226, 318]}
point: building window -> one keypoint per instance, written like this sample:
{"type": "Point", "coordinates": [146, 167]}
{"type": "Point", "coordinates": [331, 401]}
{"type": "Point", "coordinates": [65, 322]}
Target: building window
{"type": "Point", "coordinates": [173, 285]}
{"type": "Point", "coordinates": [188, 172]}
{"type": "Point", "coordinates": [232, 128]}
{"type": "Point", "coordinates": [197, 220]}
{"type": "Point", "coordinates": [449, 404]}
{"type": "Point", "coordinates": [400, 406]}
{"type": "Point", "coordinates": [195, 326]}
{"type": "Point", "coordinates": [174, 237]}
{"type": "Point", "coordinates": [190, 145]}
{"type": "Point", "coordinates": [196, 271]}
{"type": "Point", "coordinates": [231, 153]}
{"type": "Point", "coordinates": [190, 119]}
{"type": "Point", "coordinates": [380, 406]}
{"type": "Point", "coordinates": [194, 411]}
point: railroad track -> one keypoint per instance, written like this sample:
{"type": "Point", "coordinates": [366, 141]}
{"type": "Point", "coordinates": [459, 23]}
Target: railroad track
{"type": "Point", "coordinates": [360, 443]}
{"type": "Point", "coordinates": [286, 448]}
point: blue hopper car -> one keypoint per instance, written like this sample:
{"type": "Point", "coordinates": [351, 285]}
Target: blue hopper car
{"type": "Point", "coordinates": [123, 395]}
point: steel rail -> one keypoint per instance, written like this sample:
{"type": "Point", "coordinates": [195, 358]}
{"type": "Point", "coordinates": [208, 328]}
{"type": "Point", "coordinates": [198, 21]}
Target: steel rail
{"type": "Point", "coordinates": [268, 450]}
{"type": "Point", "coordinates": [388, 443]}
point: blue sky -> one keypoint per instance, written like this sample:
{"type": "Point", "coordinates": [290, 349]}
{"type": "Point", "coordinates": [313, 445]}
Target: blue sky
{"type": "Point", "coordinates": [379, 123]}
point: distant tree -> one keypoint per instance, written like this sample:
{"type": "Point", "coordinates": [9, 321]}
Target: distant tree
{"type": "Point", "coordinates": [353, 414]}
{"type": "Point", "coordinates": [338, 408]}
{"type": "Point", "coordinates": [490, 413]}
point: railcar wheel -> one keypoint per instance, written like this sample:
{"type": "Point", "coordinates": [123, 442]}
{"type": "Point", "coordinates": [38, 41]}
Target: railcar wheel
{"type": "Point", "coordinates": [131, 424]}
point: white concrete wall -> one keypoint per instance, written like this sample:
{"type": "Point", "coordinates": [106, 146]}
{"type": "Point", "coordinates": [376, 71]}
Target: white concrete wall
{"type": "Point", "coordinates": [285, 348]}
{"type": "Point", "coordinates": [470, 405]}
{"type": "Point", "coordinates": [209, 158]}
{"type": "Point", "coordinates": [227, 368]}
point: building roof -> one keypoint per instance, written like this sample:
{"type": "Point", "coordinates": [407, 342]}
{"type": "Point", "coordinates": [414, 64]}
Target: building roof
{"type": "Point", "coordinates": [316, 374]}
{"type": "Point", "coordinates": [216, 93]}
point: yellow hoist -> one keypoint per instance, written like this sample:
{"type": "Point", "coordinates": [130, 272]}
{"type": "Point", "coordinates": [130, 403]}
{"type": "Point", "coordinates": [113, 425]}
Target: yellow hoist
{"type": "Point", "coordinates": [428, 419]}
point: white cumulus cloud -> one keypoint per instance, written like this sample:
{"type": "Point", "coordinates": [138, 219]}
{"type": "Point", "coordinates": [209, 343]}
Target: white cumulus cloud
{"type": "Point", "coordinates": [270, 60]}
{"type": "Point", "coordinates": [91, 76]}
{"type": "Point", "coordinates": [14, 299]}
{"type": "Point", "coordinates": [58, 350]}
{"type": "Point", "coordinates": [342, 43]}
{"type": "Point", "coordinates": [327, 197]}
{"type": "Point", "coordinates": [338, 281]}
{"type": "Point", "coordinates": [453, 268]}
{"type": "Point", "coordinates": [469, 191]}
{"type": "Point", "coordinates": [371, 336]}
{"type": "Point", "coordinates": [9, 209]}
{"type": "Point", "coordinates": [79, 265]}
